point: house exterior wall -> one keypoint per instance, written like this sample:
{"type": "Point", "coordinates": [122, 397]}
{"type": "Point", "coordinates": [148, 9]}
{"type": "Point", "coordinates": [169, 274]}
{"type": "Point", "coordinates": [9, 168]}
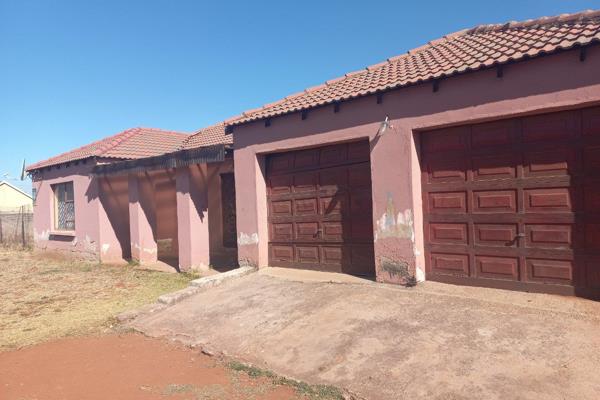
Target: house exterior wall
{"type": "Point", "coordinates": [114, 208]}
{"type": "Point", "coordinates": [140, 216]}
{"type": "Point", "coordinates": [199, 213]}
{"type": "Point", "coordinates": [91, 238]}
{"type": "Point", "coordinates": [10, 198]}
{"type": "Point", "coordinates": [544, 84]}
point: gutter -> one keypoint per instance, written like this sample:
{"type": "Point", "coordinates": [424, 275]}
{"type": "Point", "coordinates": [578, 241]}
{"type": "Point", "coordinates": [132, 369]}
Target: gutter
{"type": "Point", "coordinates": [181, 158]}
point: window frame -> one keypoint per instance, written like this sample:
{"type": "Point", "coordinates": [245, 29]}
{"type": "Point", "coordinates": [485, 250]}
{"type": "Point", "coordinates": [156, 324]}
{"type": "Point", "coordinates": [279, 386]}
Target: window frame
{"type": "Point", "coordinates": [56, 190]}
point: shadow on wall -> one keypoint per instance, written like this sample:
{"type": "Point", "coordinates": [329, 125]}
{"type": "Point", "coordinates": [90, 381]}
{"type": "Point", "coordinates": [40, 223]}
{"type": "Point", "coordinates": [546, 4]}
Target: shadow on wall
{"type": "Point", "coordinates": [114, 197]}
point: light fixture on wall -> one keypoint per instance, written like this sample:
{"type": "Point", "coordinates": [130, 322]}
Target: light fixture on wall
{"type": "Point", "coordinates": [384, 126]}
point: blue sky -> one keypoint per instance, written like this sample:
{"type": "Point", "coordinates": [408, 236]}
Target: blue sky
{"type": "Point", "coordinates": [74, 71]}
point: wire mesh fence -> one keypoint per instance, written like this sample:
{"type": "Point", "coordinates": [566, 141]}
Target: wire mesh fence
{"type": "Point", "coordinates": [16, 226]}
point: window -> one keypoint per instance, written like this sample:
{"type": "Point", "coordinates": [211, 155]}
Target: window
{"type": "Point", "coordinates": [64, 207]}
{"type": "Point", "coordinates": [228, 210]}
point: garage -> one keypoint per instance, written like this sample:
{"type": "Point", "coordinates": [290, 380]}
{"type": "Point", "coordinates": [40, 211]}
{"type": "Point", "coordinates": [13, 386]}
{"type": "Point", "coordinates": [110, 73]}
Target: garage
{"type": "Point", "coordinates": [320, 209]}
{"type": "Point", "coordinates": [515, 203]}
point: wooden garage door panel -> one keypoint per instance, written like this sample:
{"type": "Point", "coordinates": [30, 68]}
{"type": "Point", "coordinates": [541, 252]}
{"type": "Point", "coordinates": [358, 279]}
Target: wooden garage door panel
{"type": "Point", "coordinates": [492, 134]}
{"type": "Point", "coordinates": [281, 208]}
{"type": "Point", "coordinates": [550, 271]}
{"type": "Point", "coordinates": [591, 159]}
{"type": "Point", "coordinates": [280, 185]}
{"type": "Point", "coordinates": [453, 139]}
{"type": "Point", "coordinates": [546, 200]}
{"type": "Point", "coordinates": [497, 267]}
{"type": "Point", "coordinates": [334, 205]}
{"type": "Point", "coordinates": [549, 127]}
{"type": "Point", "coordinates": [503, 166]}
{"type": "Point", "coordinates": [448, 233]}
{"type": "Point", "coordinates": [333, 179]}
{"type": "Point", "coordinates": [447, 170]}
{"type": "Point", "coordinates": [320, 209]}
{"type": "Point", "coordinates": [306, 159]}
{"type": "Point", "coordinates": [550, 163]}
{"type": "Point", "coordinates": [549, 236]}
{"type": "Point", "coordinates": [503, 235]}
{"type": "Point", "coordinates": [449, 264]}
{"type": "Point", "coordinates": [593, 272]}
{"type": "Point", "coordinates": [282, 232]}
{"type": "Point", "coordinates": [525, 209]}
{"type": "Point", "coordinates": [280, 162]}
{"type": "Point", "coordinates": [495, 201]}
{"type": "Point", "coordinates": [447, 202]}
{"type": "Point", "coordinates": [592, 197]}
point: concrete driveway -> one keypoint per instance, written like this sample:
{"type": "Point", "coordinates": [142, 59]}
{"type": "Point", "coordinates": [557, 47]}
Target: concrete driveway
{"type": "Point", "coordinates": [434, 341]}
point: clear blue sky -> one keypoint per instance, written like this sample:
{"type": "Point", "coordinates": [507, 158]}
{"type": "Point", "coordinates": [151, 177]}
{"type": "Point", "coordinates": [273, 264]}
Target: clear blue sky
{"type": "Point", "coordinates": [74, 71]}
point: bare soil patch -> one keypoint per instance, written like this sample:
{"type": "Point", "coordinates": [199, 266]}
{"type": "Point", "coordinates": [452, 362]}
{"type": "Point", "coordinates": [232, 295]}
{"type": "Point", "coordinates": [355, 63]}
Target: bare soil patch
{"type": "Point", "coordinates": [44, 296]}
{"type": "Point", "coordinates": [128, 366]}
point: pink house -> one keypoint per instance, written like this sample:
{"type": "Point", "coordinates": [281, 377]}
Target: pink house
{"type": "Point", "coordinates": [470, 160]}
{"type": "Point", "coordinates": [143, 194]}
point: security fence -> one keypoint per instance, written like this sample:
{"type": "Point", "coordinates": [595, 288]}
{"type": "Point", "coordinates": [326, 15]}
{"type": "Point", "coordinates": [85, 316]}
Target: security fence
{"type": "Point", "coordinates": [16, 226]}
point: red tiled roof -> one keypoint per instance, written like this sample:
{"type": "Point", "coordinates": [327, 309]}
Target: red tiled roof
{"type": "Point", "coordinates": [467, 50]}
{"type": "Point", "coordinates": [130, 144]}
{"type": "Point", "coordinates": [209, 136]}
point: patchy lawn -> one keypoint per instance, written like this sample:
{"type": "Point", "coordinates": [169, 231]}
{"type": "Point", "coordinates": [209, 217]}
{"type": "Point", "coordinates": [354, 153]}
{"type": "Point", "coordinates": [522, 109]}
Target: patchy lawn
{"type": "Point", "coordinates": [44, 297]}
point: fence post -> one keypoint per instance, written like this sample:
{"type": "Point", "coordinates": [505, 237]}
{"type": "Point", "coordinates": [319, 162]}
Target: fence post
{"type": "Point", "coordinates": [23, 225]}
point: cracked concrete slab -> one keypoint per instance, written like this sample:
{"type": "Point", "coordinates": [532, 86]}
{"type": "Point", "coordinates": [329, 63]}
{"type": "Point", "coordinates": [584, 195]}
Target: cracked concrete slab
{"type": "Point", "coordinates": [384, 342]}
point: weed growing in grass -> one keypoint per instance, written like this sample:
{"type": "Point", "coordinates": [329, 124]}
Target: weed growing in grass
{"type": "Point", "coordinates": [314, 392]}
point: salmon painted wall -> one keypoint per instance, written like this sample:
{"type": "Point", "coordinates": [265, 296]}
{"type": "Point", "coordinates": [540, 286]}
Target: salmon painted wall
{"type": "Point", "coordinates": [544, 84]}
{"type": "Point", "coordinates": [153, 216]}
{"type": "Point", "coordinates": [91, 238]}
{"type": "Point", "coordinates": [114, 200]}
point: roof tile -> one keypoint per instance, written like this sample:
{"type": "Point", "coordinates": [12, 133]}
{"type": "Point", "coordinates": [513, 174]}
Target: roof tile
{"type": "Point", "coordinates": [469, 49]}
{"type": "Point", "coordinates": [130, 144]}
{"type": "Point", "coordinates": [209, 136]}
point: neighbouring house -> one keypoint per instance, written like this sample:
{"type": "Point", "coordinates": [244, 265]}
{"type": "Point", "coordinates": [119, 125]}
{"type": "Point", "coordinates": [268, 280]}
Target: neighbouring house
{"type": "Point", "coordinates": [12, 198]}
{"type": "Point", "coordinates": [140, 195]}
{"type": "Point", "coordinates": [471, 160]}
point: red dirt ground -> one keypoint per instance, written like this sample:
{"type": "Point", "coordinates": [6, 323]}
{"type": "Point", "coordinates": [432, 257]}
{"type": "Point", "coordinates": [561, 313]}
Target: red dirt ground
{"type": "Point", "coordinates": [130, 367]}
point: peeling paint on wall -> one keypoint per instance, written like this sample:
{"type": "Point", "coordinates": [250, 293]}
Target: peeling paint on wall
{"type": "Point", "coordinates": [398, 225]}
{"type": "Point", "coordinates": [420, 274]}
{"type": "Point", "coordinates": [90, 245]}
{"type": "Point", "coordinates": [44, 235]}
{"type": "Point", "coordinates": [245, 239]}
{"type": "Point", "coordinates": [246, 262]}
{"type": "Point", "coordinates": [144, 249]}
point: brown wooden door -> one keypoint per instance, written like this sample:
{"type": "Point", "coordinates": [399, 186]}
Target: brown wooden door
{"type": "Point", "coordinates": [320, 210]}
{"type": "Point", "coordinates": [515, 203]}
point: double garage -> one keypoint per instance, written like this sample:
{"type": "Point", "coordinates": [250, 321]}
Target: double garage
{"type": "Point", "coordinates": [512, 203]}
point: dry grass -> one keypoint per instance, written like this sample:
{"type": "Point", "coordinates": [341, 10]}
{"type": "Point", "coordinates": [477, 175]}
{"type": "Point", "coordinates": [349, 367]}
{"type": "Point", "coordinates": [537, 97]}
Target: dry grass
{"type": "Point", "coordinates": [49, 297]}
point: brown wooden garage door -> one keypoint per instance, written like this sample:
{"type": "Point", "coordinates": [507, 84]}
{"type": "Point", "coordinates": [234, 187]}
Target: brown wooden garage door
{"type": "Point", "coordinates": [320, 211]}
{"type": "Point", "coordinates": [515, 203]}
